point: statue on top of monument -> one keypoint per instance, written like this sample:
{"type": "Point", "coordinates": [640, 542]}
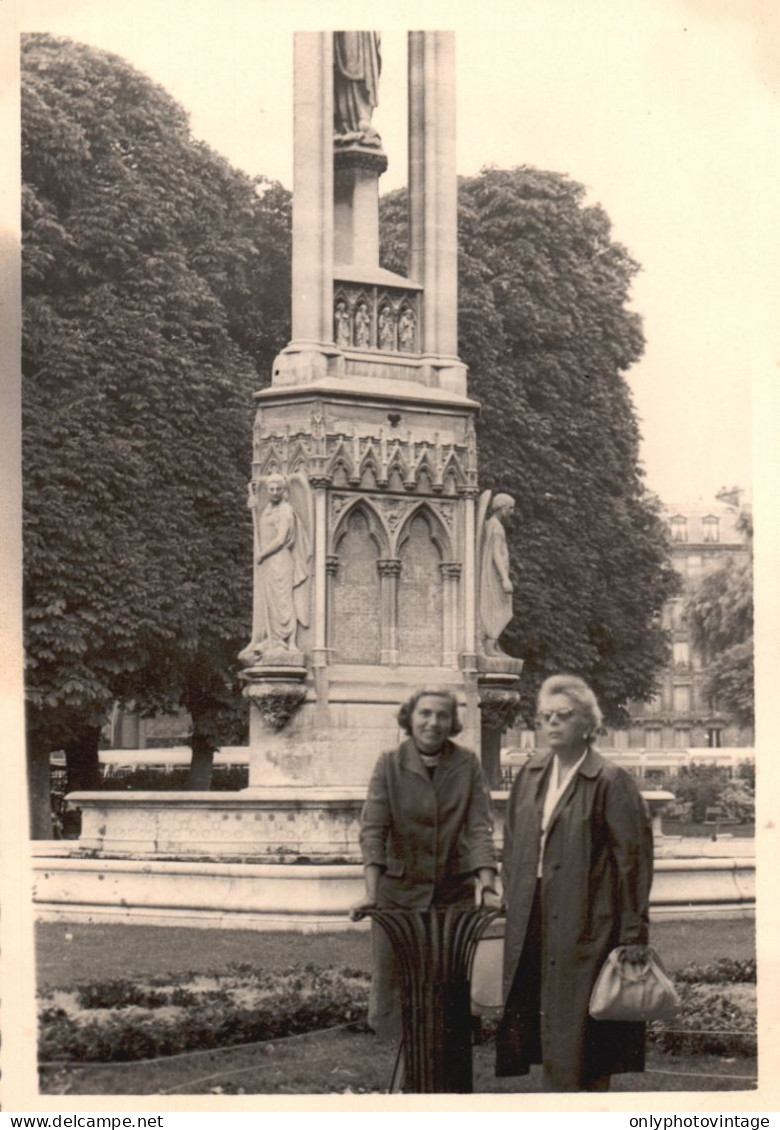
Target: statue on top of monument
{"type": "Point", "coordinates": [357, 63]}
{"type": "Point", "coordinates": [283, 562]}
{"type": "Point", "coordinates": [494, 594]}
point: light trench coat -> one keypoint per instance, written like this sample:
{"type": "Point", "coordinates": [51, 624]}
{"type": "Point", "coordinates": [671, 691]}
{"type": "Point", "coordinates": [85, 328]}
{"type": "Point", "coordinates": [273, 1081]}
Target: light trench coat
{"type": "Point", "coordinates": [595, 890]}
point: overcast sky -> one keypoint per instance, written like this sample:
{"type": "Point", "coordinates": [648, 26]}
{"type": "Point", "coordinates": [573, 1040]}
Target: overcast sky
{"type": "Point", "coordinates": [661, 108]}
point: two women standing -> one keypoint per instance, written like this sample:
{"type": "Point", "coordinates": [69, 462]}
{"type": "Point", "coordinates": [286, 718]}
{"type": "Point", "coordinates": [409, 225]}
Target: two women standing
{"type": "Point", "coordinates": [577, 867]}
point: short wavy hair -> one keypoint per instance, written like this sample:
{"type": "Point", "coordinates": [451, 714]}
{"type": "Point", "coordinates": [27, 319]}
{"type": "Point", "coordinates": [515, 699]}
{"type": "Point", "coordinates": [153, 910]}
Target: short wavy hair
{"type": "Point", "coordinates": [580, 694]}
{"type": "Point", "coordinates": [404, 715]}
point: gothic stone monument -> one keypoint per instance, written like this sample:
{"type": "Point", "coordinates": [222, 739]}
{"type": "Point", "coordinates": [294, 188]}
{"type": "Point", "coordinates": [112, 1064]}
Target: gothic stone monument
{"type": "Point", "coordinates": [378, 564]}
{"type": "Point", "coordinates": [368, 580]}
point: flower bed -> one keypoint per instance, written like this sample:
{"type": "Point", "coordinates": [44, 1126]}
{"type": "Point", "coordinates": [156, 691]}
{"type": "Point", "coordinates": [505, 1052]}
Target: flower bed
{"type": "Point", "coordinates": [121, 1020]}
{"type": "Point", "coordinates": [718, 1013]}
{"type": "Point", "coordinates": [125, 1020]}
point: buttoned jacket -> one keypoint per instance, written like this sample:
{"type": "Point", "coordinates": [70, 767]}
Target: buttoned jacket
{"type": "Point", "coordinates": [423, 831]}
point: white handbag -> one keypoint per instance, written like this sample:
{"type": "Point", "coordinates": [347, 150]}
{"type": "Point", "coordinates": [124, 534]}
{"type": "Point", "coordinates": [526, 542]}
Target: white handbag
{"type": "Point", "coordinates": [633, 990]}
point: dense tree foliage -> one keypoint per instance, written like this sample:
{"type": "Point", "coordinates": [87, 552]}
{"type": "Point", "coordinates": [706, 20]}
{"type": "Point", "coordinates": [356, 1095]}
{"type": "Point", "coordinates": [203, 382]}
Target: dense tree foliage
{"type": "Point", "coordinates": [547, 335]}
{"type": "Point", "coordinates": [719, 614]}
{"type": "Point", "coordinates": [155, 290]}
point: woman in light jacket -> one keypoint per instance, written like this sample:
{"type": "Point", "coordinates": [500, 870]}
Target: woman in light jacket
{"type": "Point", "coordinates": [426, 834]}
{"type": "Point", "coordinates": [578, 859]}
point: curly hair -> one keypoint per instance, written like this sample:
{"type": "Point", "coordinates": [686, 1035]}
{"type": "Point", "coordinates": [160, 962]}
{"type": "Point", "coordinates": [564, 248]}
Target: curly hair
{"type": "Point", "coordinates": [580, 694]}
{"type": "Point", "coordinates": [404, 715]}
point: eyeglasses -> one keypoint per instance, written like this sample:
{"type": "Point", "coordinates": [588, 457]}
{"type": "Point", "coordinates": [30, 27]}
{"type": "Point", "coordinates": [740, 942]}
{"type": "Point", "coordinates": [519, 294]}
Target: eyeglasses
{"type": "Point", "coordinates": [561, 715]}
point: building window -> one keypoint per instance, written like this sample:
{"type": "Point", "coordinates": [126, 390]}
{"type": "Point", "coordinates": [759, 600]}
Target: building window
{"type": "Point", "coordinates": [693, 565]}
{"type": "Point", "coordinates": [681, 653]}
{"type": "Point", "coordinates": [620, 739]}
{"type": "Point", "coordinates": [713, 737]}
{"type": "Point", "coordinates": [710, 529]}
{"type": "Point", "coordinates": [682, 700]}
{"type": "Point", "coordinates": [678, 528]}
{"type": "Point", "coordinates": [652, 739]}
{"type": "Point", "coordinates": [682, 738]}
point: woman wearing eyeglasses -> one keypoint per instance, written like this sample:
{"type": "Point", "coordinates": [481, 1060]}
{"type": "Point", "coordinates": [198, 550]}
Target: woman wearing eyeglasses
{"type": "Point", "coordinates": [577, 867]}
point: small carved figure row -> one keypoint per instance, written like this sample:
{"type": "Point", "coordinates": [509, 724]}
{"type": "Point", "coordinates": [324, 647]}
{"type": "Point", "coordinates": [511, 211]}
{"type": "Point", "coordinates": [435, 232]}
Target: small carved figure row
{"type": "Point", "coordinates": [395, 329]}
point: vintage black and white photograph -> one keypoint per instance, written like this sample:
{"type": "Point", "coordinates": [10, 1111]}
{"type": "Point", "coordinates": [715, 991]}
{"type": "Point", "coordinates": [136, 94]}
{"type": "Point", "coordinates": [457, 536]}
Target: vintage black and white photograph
{"type": "Point", "coordinates": [389, 449]}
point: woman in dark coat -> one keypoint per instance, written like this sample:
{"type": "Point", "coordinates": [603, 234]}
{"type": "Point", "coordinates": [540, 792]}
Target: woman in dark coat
{"type": "Point", "coordinates": [577, 869]}
{"type": "Point", "coordinates": [426, 834]}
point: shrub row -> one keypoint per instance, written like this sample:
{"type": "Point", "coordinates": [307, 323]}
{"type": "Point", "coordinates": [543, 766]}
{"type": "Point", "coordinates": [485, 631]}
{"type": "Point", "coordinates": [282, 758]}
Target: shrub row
{"type": "Point", "coordinates": [123, 1020]}
{"type": "Point", "coordinates": [714, 1020]}
{"type": "Point", "coordinates": [722, 971]}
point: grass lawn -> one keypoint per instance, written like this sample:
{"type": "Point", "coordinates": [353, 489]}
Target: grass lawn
{"type": "Point", "coordinates": [68, 953]}
{"type": "Point", "coordinates": [341, 1061]}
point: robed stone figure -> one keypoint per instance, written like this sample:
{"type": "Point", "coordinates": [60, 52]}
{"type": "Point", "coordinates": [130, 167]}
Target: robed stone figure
{"type": "Point", "coordinates": [356, 66]}
{"type": "Point", "coordinates": [494, 583]}
{"type": "Point", "coordinates": [283, 561]}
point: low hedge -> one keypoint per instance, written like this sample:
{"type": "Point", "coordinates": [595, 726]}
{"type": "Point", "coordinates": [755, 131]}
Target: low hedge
{"type": "Point", "coordinates": [718, 1010]}
{"type": "Point", "coordinates": [123, 1020]}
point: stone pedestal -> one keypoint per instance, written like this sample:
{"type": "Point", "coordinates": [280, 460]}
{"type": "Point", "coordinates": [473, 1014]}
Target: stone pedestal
{"type": "Point", "coordinates": [356, 204]}
{"type": "Point", "coordinates": [499, 702]}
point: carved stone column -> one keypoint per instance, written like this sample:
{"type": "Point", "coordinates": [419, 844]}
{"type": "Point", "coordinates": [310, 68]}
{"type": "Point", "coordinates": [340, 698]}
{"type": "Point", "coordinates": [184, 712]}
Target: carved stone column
{"type": "Point", "coordinates": [311, 349]}
{"type": "Point", "coordinates": [433, 198]}
{"type": "Point", "coordinates": [450, 572]}
{"type": "Point", "coordinates": [331, 571]}
{"type": "Point", "coordinates": [469, 582]}
{"type": "Point", "coordinates": [319, 653]}
{"type": "Point", "coordinates": [389, 572]}
{"type": "Point", "coordinates": [499, 704]}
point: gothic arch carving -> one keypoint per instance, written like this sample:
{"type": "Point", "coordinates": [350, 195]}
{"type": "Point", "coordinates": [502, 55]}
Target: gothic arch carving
{"type": "Point", "coordinates": [341, 457]}
{"type": "Point", "coordinates": [377, 529]}
{"type": "Point", "coordinates": [453, 468]}
{"type": "Point", "coordinates": [440, 535]}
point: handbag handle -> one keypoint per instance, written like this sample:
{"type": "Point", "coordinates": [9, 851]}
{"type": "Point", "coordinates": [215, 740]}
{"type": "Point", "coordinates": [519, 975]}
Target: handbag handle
{"type": "Point", "coordinates": [634, 970]}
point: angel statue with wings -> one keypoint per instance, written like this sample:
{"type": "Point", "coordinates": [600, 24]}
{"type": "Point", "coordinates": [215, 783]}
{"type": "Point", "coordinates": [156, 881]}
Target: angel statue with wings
{"type": "Point", "coordinates": [283, 564]}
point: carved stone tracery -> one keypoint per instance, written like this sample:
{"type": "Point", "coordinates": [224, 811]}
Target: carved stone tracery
{"type": "Point", "coordinates": [419, 465]}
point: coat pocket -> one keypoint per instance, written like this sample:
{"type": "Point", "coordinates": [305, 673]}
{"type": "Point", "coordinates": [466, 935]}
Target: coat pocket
{"type": "Point", "coordinates": [395, 868]}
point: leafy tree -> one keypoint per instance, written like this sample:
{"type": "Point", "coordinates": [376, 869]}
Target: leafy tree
{"type": "Point", "coordinates": [701, 786]}
{"type": "Point", "coordinates": [155, 283]}
{"type": "Point", "coordinates": [548, 337]}
{"type": "Point", "coordinates": [719, 614]}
